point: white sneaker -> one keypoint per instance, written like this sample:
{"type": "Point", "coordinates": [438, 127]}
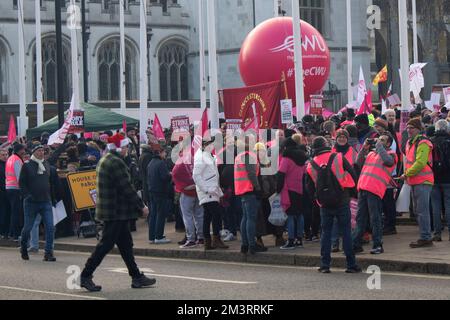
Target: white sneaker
{"type": "Point", "coordinates": [162, 241]}
{"type": "Point", "coordinates": [224, 233]}
{"type": "Point", "coordinates": [229, 237]}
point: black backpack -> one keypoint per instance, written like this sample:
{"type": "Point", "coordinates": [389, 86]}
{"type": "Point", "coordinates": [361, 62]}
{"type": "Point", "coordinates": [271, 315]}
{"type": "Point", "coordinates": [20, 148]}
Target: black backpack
{"type": "Point", "coordinates": [329, 192]}
{"type": "Point", "coordinates": [441, 155]}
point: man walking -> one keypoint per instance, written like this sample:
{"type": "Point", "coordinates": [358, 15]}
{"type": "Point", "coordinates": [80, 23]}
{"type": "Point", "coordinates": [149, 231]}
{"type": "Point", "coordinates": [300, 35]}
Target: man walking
{"type": "Point", "coordinates": [117, 204]}
{"type": "Point", "coordinates": [37, 191]}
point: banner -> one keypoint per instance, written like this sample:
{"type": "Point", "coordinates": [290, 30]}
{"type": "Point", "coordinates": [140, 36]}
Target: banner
{"type": "Point", "coordinates": [180, 127]}
{"type": "Point", "coordinates": [316, 108]}
{"type": "Point", "coordinates": [234, 124]}
{"type": "Point", "coordinates": [266, 98]}
{"type": "Point", "coordinates": [286, 112]}
{"type": "Point", "coordinates": [416, 79]}
{"type": "Point", "coordinates": [83, 187]}
{"type": "Point", "coordinates": [447, 95]}
{"type": "Point", "coordinates": [77, 121]}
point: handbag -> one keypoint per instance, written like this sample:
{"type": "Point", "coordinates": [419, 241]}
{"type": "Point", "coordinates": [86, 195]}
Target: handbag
{"type": "Point", "coordinates": [277, 215]}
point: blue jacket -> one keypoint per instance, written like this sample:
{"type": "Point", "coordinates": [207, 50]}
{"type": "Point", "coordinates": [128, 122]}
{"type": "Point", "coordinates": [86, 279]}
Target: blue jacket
{"type": "Point", "coordinates": [159, 179]}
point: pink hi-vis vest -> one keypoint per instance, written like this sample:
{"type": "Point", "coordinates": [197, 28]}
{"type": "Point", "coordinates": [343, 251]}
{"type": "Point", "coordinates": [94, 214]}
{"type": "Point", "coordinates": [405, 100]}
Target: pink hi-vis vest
{"type": "Point", "coordinates": [242, 183]}
{"type": "Point", "coordinates": [11, 179]}
{"type": "Point", "coordinates": [351, 155]}
{"type": "Point", "coordinates": [426, 175]}
{"type": "Point", "coordinates": [375, 176]}
{"type": "Point", "coordinates": [344, 178]}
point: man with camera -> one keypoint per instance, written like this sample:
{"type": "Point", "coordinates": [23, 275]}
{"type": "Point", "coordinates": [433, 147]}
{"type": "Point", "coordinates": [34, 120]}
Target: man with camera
{"type": "Point", "coordinates": [377, 162]}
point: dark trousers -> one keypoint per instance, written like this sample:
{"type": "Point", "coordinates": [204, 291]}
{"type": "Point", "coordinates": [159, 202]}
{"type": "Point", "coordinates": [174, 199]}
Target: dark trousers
{"type": "Point", "coordinates": [16, 210]}
{"type": "Point", "coordinates": [212, 211]}
{"type": "Point", "coordinates": [312, 219]}
{"type": "Point", "coordinates": [4, 214]}
{"type": "Point", "coordinates": [114, 233]}
{"type": "Point", "coordinates": [390, 211]}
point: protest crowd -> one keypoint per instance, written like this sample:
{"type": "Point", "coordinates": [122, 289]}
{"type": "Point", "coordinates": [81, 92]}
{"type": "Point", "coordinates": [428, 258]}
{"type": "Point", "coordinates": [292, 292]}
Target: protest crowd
{"type": "Point", "coordinates": [337, 180]}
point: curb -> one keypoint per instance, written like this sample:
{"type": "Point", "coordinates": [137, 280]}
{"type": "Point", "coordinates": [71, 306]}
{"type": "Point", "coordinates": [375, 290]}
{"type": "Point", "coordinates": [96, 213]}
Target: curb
{"type": "Point", "coordinates": [267, 258]}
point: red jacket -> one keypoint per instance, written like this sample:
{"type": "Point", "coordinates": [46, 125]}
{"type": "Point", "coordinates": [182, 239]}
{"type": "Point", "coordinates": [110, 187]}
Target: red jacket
{"type": "Point", "coordinates": [182, 177]}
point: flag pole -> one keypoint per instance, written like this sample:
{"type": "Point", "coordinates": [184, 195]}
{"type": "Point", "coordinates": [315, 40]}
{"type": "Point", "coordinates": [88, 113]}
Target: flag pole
{"type": "Point", "coordinates": [212, 56]}
{"type": "Point", "coordinates": [276, 8]}
{"type": "Point", "coordinates": [349, 53]}
{"type": "Point", "coordinates": [415, 39]}
{"type": "Point", "coordinates": [23, 119]}
{"type": "Point", "coordinates": [123, 105]}
{"type": "Point", "coordinates": [298, 61]}
{"type": "Point", "coordinates": [39, 98]}
{"type": "Point", "coordinates": [404, 58]}
{"type": "Point", "coordinates": [201, 30]}
{"type": "Point", "coordinates": [143, 89]}
{"type": "Point", "coordinates": [75, 71]}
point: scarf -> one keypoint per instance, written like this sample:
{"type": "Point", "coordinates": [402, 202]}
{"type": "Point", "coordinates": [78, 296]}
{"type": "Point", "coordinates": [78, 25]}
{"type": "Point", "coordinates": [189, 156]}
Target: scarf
{"type": "Point", "coordinates": [342, 149]}
{"type": "Point", "coordinates": [41, 167]}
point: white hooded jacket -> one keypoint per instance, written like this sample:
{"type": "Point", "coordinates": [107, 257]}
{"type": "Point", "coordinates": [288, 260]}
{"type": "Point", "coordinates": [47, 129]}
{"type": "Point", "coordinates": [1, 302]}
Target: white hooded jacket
{"type": "Point", "coordinates": [206, 177]}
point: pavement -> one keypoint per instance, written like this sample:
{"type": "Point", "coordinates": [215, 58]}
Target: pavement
{"type": "Point", "coordinates": [398, 257]}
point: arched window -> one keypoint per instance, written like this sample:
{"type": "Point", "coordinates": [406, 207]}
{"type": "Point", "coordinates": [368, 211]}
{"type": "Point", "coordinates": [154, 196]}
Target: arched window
{"type": "Point", "coordinates": [3, 73]}
{"type": "Point", "coordinates": [173, 72]}
{"type": "Point", "coordinates": [49, 71]}
{"type": "Point", "coordinates": [109, 71]}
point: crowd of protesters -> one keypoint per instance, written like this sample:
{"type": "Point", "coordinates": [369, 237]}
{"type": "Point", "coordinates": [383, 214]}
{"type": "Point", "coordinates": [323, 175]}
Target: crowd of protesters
{"type": "Point", "coordinates": [230, 187]}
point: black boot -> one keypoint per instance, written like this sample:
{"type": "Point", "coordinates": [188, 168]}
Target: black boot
{"type": "Point", "coordinates": [49, 257]}
{"type": "Point", "coordinates": [89, 285]}
{"type": "Point", "coordinates": [24, 254]}
{"type": "Point", "coordinates": [142, 282]}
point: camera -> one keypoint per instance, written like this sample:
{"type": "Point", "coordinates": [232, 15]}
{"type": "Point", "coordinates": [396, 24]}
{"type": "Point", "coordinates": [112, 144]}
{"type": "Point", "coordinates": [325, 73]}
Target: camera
{"type": "Point", "coordinates": [371, 142]}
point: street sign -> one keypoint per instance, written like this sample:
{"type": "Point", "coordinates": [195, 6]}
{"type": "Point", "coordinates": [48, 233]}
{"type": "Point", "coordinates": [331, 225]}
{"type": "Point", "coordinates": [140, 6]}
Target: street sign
{"type": "Point", "coordinates": [83, 186]}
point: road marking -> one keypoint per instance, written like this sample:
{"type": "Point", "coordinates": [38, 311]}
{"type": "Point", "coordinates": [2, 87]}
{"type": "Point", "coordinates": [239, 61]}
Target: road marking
{"type": "Point", "coordinates": [125, 271]}
{"type": "Point", "coordinates": [52, 293]}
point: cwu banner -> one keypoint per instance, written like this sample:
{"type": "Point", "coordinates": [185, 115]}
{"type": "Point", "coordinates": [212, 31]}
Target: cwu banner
{"type": "Point", "coordinates": [265, 98]}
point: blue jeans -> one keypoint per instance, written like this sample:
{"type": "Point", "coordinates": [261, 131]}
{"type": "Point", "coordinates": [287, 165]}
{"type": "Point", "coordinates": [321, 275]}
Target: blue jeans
{"type": "Point", "coordinates": [233, 215]}
{"type": "Point", "coordinates": [159, 207]}
{"type": "Point", "coordinates": [4, 214]}
{"type": "Point", "coordinates": [250, 206]}
{"type": "Point", "coordinates": [15, 212]}
{"type": "Point", "coordinates": [34, 236]}
{"type": "Point", "coordinates": [370, 206]}
{"type": "Point", "coordinates": [421, 204]}
{"type": "Point", "coordinates": [343, 217]}
{"type": "Point", "coordinates": [295, 226]}
{"type": "Point", "coordinates": [440, 192]}
{"type": "Point", "coordinates": [31, 210]}
{"type": "Point", "coordinates": [335, 235]}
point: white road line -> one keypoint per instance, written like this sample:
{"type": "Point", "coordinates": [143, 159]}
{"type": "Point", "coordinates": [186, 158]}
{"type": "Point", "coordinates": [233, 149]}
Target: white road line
{"type": "Point", "coordinates": [52, 293]}
{"type": "Point", "coordinates": [125, 271]}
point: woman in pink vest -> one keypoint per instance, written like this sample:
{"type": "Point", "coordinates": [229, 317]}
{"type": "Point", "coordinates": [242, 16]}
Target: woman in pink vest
{"type": "Point", "coordinates": [13, 167]}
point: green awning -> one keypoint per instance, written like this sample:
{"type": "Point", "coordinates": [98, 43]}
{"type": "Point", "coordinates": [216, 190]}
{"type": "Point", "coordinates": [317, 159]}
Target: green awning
{"type": "Point", "coordinates": [95, 119]}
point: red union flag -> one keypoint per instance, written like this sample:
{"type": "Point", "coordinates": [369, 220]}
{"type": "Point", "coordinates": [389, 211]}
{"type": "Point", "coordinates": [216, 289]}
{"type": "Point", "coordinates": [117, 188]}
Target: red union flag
{"type": "Point", "coordinates": [265, 98]}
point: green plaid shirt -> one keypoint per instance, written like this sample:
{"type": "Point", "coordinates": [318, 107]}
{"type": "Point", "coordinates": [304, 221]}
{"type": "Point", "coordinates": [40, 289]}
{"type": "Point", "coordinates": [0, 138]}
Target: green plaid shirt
{"type": "Point", "coordinates": [117, 199]}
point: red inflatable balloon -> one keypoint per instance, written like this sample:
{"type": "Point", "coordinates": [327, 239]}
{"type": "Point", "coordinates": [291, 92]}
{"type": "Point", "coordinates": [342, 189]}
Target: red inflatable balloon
{"type": "Point", "coordinates": [269, 50]}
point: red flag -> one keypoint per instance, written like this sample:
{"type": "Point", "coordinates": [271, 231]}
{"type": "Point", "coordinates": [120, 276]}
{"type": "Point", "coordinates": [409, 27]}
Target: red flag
{"type": "Point", "coordinates": [12, 134]}
{"type": "Point", "coordinates": [252, 125]}
{"type": "Point", "coordinates": [205, 121]}
{"type": "Point", "coordinates": [366, 106]}
{"type": "Point", "coordinates": [238, 104]}
{"type": "Point", "coordinates": [157, 129]}
{"type": "Point", "coordinates": [124, 126]}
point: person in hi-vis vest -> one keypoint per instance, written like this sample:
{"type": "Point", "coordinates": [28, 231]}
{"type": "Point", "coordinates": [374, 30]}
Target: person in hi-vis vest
{"type": "Point", "coordinates": [419, 175]}
{"type": "Point", "coordinates": [377, 162]}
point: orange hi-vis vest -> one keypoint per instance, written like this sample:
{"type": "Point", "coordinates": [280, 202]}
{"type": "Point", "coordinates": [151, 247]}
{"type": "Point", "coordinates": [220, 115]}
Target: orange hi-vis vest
{"type": "Point", "coordinates": [351, 155]}
{"type": "Point", "coordinates": [344, 178]}
{"type": "Point", "coordinates": [242, 183]}
{"type": "Point", "coordinates": [11, 179]}
{"type": "Point", "coordinates": [426, 175]}
{"type": "Point", "coordinates": [375, 176]}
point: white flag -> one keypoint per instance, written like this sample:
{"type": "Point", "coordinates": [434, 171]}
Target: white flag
{"type": "Point", "coordinates": [362, 89]}
{"type": "Point", "coordinates": [383, 106]}
{"type": "Point", "coordinates": [416, 79]}
{"type": "Point", "coordinates": [59, 136]}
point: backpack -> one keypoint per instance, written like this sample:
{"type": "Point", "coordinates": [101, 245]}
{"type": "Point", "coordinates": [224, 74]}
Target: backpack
{"type": "Point", "coordinates": [329, 191]}
{"type": "Point", "coordinates": [441, 155]}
